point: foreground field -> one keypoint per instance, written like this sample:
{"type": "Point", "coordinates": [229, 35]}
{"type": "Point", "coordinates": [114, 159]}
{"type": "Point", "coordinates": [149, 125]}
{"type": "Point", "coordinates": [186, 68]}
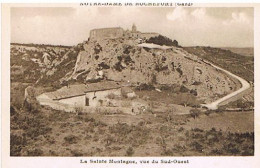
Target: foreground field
{"type": "Point", "coordinates": [238, 122]}
{"type": "Point", "coordinates": [56, 133]}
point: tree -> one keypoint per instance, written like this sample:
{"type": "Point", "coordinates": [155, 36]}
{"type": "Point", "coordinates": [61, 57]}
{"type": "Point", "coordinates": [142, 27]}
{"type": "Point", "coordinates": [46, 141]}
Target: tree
{"type": "Point", "coordinates": [162, 40]}
{"type": "Point", "coordinates": [194, 113]}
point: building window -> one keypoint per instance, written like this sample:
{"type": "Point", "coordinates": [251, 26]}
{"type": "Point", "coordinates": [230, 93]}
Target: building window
{"type": "Point", "coordinates": [86, 101]}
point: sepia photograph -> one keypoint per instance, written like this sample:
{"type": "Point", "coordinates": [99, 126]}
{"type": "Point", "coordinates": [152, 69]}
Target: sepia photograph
{"type": "Point", "coordinates": [131, 81]}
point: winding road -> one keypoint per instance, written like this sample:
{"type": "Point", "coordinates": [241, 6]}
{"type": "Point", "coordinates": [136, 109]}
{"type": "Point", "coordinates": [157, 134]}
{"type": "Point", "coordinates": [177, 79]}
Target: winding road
{"type": "Point", "coordinates": [245, 86]}
{"type": "Point", "coordinates": [224, 100]}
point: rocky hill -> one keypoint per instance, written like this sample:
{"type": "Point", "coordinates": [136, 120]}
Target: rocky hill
{"type": "Point", "coordinates": [123, 60]}
{"type": "Point", "coordinates": [41, 64]}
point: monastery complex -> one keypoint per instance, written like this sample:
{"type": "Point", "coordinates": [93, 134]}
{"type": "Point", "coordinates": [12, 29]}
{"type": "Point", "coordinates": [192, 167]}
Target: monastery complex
{"type": "Point", "coordinates": [118, 32]}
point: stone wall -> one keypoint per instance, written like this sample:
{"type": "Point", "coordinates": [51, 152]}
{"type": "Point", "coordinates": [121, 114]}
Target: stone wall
{"type": "Point", "coordinates": [117, 32]}
{"type": "Point", "coordinates": [106, 33]}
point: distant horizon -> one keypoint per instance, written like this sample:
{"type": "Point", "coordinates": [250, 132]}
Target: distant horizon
{"type": "Point", "coordinates": [83, 41]}
{"type": "Point", "coordinates": [215, 27]}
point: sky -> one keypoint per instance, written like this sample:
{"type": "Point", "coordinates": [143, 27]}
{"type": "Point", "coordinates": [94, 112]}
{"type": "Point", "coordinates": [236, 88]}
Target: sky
{"type": "Point", "coordinates": [216, 27]}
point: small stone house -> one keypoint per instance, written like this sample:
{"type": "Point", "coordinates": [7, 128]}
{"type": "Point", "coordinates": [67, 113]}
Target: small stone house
{"type": "Point", "coordinates": [81, 95]}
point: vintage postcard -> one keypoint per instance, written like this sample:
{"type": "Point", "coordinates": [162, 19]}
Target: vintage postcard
{"type": "Point", "coordinates": [98, 85]}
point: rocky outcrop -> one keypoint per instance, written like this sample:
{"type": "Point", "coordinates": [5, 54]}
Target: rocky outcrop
{"type": "Point", "coordinates": [124, 60]}
{"type": "Point", "coordinates": [30, 101]}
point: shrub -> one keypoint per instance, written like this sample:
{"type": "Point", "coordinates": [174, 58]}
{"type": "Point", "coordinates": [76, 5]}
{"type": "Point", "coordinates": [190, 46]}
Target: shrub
{"type": "Point", "coordinates": [78, 110]}
{"type": "Point", "coordinates": [127, 49]}
{"type": "Point", "coordinates": [196, 130]}
{"type": "Point", "coordinates": [179, 71]}
{"type": "Point", "coordinates": [154, 79]}
{"type": "Point", "coordinates": [17, 140]}
{"type": "Point", "coordinates": [118, 66]}
{"type": "Point", "coordinates": [179, 148]}
{"type": "Point", "coordinates": [167, 152]}
{"type": "Point", "coordinates": [12, 110]}
{"type": "Point", "coordinates": [216, 152]}
{"type": "Point", "coordinates": [36, 131]}
{"type": "Point", "coordinates": [220, 110]}
{"type": "Point", "coordinates": [111, 96]}
{"type": "Point", "coordinates": [94, 80]}
{"type": "Point", "coordinates": [208, 112]}
{"type": "Point", "coordinates": [194, 92]}
{"type": "Point", "coordinates": [166, 87]}
{"type": "Point", "coordinates": [15, 150]}
{"type": "Point", "coordinates": [129, 151]}
{"type": "Point", "coordinates": [181, 129]}
{"type": "Point", "coordinates": [196, 83]}
{"type": "Point", "coordinates": [183, 89]}
{"type": "Point", "coordinates": [109, 140]}
{"type": "Point", "coordinates": [162, 40]}
{"type": "Point", "coordinates": [104, 65]}
{"type": "Point", "coordinates": [196, 146]}
{"type": "Point", "coordinates": [116, 148]}
{"type": "Point", "coordinates": [35, 152]}
{"type": "Point", "coordinates": [194, 113]}
{"type": "Point", "coordinates": [71, 139]}
{"type": "Point", "coordinates": [97, 49]}
{"type": "Point", "coordinates": [76, 153]}
{"type": "Point", "coordinates": [145, 86]}
{"type": "Point", "coordinates": [16, 144]}
{"type": "Point", "coordinates": [231, 148]}
{"type": "Point", "coordinates": [128, 60]}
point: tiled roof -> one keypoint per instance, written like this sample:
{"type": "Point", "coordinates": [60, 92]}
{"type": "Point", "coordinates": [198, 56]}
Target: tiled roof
{"type": "Point", "coordinates": [81, 89]}
{"type": "Point", "coordinates": [105, 85]}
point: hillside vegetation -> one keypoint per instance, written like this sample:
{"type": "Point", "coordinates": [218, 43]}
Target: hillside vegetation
{"type": "Point", "coordinates": [238, 64]}
{"type": "Point", "coordinates": [162, 40]}
{"type": "Point", "coordinates": [55, 133]}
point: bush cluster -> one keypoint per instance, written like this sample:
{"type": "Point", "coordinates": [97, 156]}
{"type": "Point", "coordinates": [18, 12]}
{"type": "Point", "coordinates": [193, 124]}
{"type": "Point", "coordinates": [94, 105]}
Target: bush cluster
{"type": "Point", "coordinates": [162, 40]}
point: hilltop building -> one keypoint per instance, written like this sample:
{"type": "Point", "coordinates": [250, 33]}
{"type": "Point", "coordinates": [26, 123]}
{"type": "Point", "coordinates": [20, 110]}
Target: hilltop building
{"type": "Point", "coordinates": [118, 32]}
{"type": "Point", "coordinates": [106, 33]}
